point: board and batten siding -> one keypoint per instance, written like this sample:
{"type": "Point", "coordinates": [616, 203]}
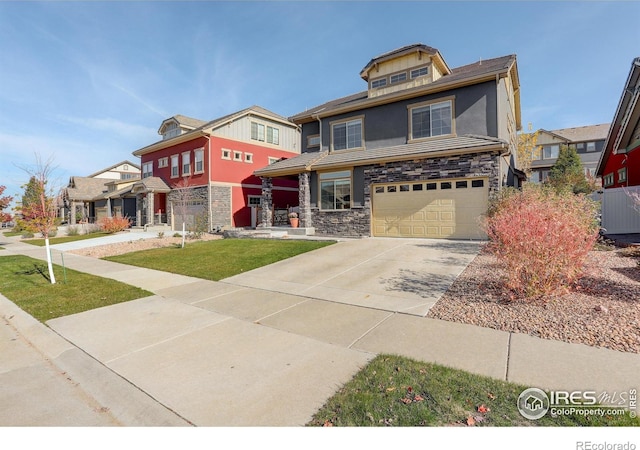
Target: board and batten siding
{"type": "Point", "coordinates": [240, 130]}
{"type": "Point", "coordinates": [618, 214]}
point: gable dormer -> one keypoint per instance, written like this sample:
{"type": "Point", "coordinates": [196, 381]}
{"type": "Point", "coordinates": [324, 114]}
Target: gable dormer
{"type": "Point", "coordinates": [404, 68]}
{"type": "Point", "coordinates": [177, 125]}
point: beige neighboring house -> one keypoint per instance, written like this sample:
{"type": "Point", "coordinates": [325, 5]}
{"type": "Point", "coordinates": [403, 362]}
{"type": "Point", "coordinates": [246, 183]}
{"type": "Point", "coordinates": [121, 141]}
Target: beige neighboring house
{"type": "Point", "coordinates": [87, 199]}
{"type": "Point", "coordinates": [588, 142]}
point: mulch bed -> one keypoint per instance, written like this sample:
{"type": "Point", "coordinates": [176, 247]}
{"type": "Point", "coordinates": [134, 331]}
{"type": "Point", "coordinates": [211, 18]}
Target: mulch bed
{"type": "Point", "coordinates": [601, 310]}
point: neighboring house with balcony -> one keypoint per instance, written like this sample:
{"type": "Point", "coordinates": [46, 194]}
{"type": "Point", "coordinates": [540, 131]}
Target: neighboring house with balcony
{"type": "Point", "coordinates": [205, 169]}
{"type": "Point", "coordinates": [587, 140]}
{"type": "Point", "coordinates": [619, 164]}
{"type": "Point", "coordinates": [416, 154]}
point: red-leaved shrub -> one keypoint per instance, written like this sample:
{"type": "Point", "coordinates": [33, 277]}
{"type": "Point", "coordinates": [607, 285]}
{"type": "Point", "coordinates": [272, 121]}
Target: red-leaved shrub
{"type": "Point", "coordinates": [541, 238]}
{"type": "Point", "coordinates": [114, 224]}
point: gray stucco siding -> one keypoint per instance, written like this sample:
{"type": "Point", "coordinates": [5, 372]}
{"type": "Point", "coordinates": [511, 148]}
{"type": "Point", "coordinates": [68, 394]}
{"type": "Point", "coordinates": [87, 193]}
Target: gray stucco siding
{"type": "Point", "coordinates": [309, 129]}
{"type": "Point", "coordinates": [388, 125]}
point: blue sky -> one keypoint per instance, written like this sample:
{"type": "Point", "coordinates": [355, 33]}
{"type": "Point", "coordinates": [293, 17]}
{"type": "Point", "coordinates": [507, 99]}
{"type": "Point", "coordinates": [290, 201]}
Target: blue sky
{"type": "Point", "coordinates": [87, 83]}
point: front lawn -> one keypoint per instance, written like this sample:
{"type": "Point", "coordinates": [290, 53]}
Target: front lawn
{"type": "Point", "coordinates": [25, 282]}
{"type": "Point", "coordinates": [401, 392]}
{"type": "Point", "coordinates": [215, 260]}
{"type": "Point", "coordinates": [63, 239]}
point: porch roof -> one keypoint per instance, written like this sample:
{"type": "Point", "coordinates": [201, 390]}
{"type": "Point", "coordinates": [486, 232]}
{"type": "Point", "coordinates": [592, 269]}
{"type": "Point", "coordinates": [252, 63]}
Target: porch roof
{"type": "Point", "coordinates": [424, 149]}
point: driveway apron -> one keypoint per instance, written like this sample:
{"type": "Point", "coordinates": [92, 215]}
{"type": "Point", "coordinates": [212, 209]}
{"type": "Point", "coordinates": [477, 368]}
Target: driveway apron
{"type": "Point", "coordinates": [397, 275]}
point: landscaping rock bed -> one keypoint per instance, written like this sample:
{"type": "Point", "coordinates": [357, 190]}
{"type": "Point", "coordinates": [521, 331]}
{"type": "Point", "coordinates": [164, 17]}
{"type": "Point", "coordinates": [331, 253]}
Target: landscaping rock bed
{"type": "Point", "coordinates": [601, 310]}
{"type": "Point", "coordinates": [134, 245]}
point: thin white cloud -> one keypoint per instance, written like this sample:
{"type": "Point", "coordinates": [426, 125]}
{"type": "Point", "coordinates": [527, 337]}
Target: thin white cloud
{"type": "Point", "coordinates": [112, 126]}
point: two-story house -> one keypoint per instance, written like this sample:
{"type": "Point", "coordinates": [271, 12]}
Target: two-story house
{"type": "Point", "coordinates": [206, 169]}
{"type": "Point", "coordinates": [416, 154]}
{"type": "Point", "coordinates": [588, 142]}
{"type": "Point", "coordinates": [619, 165]}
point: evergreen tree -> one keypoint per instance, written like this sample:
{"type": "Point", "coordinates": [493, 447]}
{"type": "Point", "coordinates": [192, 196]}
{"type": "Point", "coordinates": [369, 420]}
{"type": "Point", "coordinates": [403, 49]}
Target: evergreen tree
{"type": "Point", "coordinates": [567, 174]}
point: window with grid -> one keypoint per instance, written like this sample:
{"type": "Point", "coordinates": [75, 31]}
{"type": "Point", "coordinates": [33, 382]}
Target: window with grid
{"type": "Point", "coordinates": [174, 166]}
{"type": "Point", "coordinates": [257, 131]}
{"type": "Point", "coordinates": [186, 163]}
{"type": "Point", "coordinates": [199, 161]}
{"type": "Point", "coordinates": [347, 135]}
{"type": "Point", "coordinates": [147, 169]}
{"type": "Point", "coordinates": [431, 120]}
{"type": "Point", "coordinates": [335, 190]}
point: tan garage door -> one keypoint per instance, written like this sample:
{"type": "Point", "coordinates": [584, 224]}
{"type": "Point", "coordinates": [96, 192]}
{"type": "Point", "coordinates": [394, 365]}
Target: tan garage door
{"type": "Point", "coordinates": [448, 208]}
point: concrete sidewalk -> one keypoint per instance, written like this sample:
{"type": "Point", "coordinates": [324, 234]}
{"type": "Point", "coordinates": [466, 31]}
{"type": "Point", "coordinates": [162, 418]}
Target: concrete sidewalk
{"type": "Point", "coordinates": [216, 353]}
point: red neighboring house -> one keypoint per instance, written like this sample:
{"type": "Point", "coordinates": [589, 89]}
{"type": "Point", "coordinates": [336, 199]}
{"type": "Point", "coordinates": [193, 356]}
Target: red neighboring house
{"type": "Point", "coordinates": [619, 164]}
{"type": "Point", "coordinates": [205, 169]}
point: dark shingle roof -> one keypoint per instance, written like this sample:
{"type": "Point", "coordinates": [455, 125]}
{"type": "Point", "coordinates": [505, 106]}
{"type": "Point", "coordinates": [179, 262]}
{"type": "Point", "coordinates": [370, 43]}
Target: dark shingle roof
{"type": "Point", "coordinates": [459, 74]}
{"type": "Point", "coordinates": [324, 160]}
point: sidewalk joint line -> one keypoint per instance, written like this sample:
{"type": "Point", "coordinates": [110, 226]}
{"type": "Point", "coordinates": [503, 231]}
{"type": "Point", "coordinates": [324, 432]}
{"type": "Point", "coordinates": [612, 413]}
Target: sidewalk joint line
{"type": "Point", "coordinates": [506, 374]}
{"type": "Point", "coordinates": [371, 329]}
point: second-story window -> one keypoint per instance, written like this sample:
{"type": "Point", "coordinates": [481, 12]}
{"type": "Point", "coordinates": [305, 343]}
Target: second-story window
{"type": "Point", "coordinates": [591, 146]}
{"type": "Point", "coordinates": [198, 161]}
{"type": "Point", "coordinates": [147, 169]}
{"type": "Point", "coordinates": [313, 141]}
{"type": "Point", "coordinates": [550, 151]}
{"type": "Point", "coordinates": [186, 163]}
{"type": "Point", "coordinates": [398, 77]}
{"type": "Point", "coordinates": [174, 166]}
{"type": "Point", "coordinates": [434, 119]}
{"type": "Point", "coordinates": [346, 135]}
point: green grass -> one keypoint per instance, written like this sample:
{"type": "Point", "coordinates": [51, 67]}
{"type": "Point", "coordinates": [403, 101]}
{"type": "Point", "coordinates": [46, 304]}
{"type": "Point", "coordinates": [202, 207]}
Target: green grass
{"type": "Point", "coordinates": [215, 260]}
{"type": "Point", "coordinates": [434, 396]}
{"type": "Point", "coordinates": [62, 239]}
{"type": "Point", "coordinates": [12, 233]}
{"type": "Point", "coordinates": [25, 282]}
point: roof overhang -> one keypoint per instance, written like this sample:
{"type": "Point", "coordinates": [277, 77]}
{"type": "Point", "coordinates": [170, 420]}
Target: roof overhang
{"type": "Point", "coordinates": [160, 145]}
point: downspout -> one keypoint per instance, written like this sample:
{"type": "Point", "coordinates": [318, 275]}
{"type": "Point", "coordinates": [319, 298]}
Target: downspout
{"type": "Point", "coordinates": [209, 208]}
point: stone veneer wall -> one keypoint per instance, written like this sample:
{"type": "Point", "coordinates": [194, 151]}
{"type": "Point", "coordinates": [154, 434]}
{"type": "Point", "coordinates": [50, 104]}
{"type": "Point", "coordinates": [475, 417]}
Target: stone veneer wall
{"type": "Point", "coordinates": [197, 203]}
{"type": "Point", "coordinates": [357, 221]}
{"type": "Point", "coordinates": [221, 206]}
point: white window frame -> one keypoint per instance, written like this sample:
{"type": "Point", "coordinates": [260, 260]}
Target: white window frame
{"type": "Point", "coordinates": [347, 123]}
{"type": "Point", "coordinates": [591, 146]}
{"type": "Point", "coordinates": [396, 78]}
{"type": "Point", "coordinates": [251, 200]}
{"type": "Point", "coordinates": [273, 159]}
{"type": "Point", "coordinates": [248, 158]}
{"type": "Point", "coordinates": [163, 162]}
{"type": "Point", "coordinates": [553, 149]}
{"type": "Point", "coordinates": [273, 135]}
{"type": "Point", "coordinates": [312, 139]}
{"type": "Point", "coordinates": [147, 169]}
{"type": "Point", "coordinates": [378, 83]}
{"type": "Point", "coordinates": [418, 72]}
{"type": "Point", "coordinates": [237, 155]}
{"type": "Point", "coordinates": [175, 164]}
{"type": "Point", "coordinates": [258, 132]}
{"type": "Point", "coordinates": [622, 175]}
{"type": "Point", "coordinates": [186, 164]}
{"type": "Point", "coordinates": [338, 178]}
{"type": "Point", "coordinates": [198, 159]}
{"type": "Point", "coordinates": [226, 154]}
{"type": "Point", "coordinates": [607, 180]}
{"type": "Point", "coordinates": [432, 105]}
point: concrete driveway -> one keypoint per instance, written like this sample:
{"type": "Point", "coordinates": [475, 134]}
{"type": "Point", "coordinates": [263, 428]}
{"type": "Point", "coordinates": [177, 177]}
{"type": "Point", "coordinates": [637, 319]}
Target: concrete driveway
{"type": "Point", "coordinates": [398, 275]}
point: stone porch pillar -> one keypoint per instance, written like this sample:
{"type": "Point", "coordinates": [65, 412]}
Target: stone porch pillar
{"type": "Point", "coordinates": [150, 208]}
{"type": "Point", "coordinates": [139, 207]}
{"type": "Point", "coordinates": [72, 212]}
{"type": "Point", "coordinates": [304, 199]}
{"type": "Point", "coordinates": [266, 203]}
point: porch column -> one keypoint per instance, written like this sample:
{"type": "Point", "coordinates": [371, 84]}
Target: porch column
{"type": "Point", "coordinates": [304, 199]}
{"type": "Point", "coordinates": [109, 207]}
{"type": "Point", "coordinates": [150, 208]}
{"type": "Point", "coordinates": [139, 207]}
{"type": "Point", "coordinates": [72, 212]}
{"type": "Point", "coordinates": [266, 203]}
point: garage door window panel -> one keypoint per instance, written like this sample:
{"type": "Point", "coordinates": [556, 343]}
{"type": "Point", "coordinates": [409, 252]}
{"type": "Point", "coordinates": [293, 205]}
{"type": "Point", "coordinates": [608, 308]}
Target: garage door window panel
{"type": "Point", "coordinates": [335, 190]}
